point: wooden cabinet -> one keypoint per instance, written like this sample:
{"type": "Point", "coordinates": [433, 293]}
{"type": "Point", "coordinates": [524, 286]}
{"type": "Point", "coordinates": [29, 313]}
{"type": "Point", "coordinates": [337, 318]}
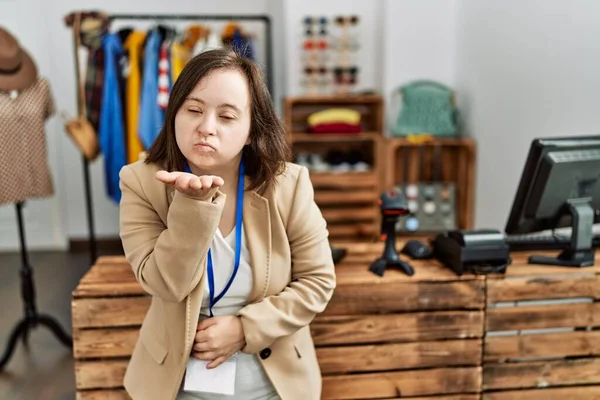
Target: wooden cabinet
{"type": "Point", "coordinates": [347, 196]}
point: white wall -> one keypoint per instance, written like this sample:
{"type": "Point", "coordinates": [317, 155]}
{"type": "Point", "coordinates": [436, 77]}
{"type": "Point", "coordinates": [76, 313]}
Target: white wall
{"type": "Point", "coordinates": [370, 31]}
{"type": "Point", "coordinates": [419, 43]}
{"type": "Point", "coordinates": [521, 69]}
{"type": "Point", "coordinates": [44, 218]}
{"type": "Point", "coordinates": [38, 24]}
{"type": "Point", "coordinates": [524, 69]}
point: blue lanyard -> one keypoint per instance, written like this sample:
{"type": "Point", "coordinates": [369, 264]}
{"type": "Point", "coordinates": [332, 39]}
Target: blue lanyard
{"type": "Point", "coordinates": [239, 211]}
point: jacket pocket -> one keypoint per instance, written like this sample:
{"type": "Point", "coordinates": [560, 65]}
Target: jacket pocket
{"type": "Point", "coordinates": [155, 347]}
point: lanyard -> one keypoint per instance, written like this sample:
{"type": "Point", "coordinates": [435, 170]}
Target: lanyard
{"type": "Point", "coordinates": [238, 242]}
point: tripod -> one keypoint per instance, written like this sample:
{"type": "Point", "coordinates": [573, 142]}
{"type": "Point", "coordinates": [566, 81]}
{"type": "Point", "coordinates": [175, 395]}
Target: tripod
{"type": "Point", "coordinates": [32, 319]}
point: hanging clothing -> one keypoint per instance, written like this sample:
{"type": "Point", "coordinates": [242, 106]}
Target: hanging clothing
{"type": "Point", "coordinates": [179, 57]}
{"type": "Point", "coordinates": [134, 143]}
{"type": "Point", "coordinates": [164, 85]}
{"type": "Point", "coordinates": [242, 45]}
{"type": "Point", "coordinates": [151, 115]}
{"type": "Point", "coordinates": [24, 169]}
{"type": "Point", "coordinates": [94, 26]}
{"type": "Point", "coordinates": [112, 126]}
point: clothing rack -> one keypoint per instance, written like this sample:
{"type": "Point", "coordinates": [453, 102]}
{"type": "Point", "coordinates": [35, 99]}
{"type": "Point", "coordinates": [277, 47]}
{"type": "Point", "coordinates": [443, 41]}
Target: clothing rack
{"type": "Point", "coordinates": [180, 17]}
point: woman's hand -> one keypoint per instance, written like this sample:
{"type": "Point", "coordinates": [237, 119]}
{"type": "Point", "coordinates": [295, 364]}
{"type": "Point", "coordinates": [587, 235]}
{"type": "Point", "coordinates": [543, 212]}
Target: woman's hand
{"type": "Point", "coordinates": [217, 339]}
{"type": "Point", "coordinates": [190, 184]}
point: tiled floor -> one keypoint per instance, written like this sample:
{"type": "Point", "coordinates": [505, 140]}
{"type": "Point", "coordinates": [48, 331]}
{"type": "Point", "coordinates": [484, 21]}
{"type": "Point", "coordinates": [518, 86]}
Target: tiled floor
{"type": "Point", "coordinates": [45, 370]}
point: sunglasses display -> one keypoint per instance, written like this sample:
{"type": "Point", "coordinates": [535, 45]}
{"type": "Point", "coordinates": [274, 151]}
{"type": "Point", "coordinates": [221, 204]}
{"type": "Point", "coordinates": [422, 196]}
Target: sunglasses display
{"type": "Point", "coordinates": [329, 54]}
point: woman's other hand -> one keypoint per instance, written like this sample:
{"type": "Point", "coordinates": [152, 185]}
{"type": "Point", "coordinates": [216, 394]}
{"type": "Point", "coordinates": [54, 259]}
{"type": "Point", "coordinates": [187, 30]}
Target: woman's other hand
{"type": "Point", "coordinates": [217, 339]}
{"type": "Point", "coordinates": [190, 184]}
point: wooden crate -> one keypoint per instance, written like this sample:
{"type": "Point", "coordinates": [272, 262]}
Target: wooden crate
{"type": "Point", "coordinates": [457, 160]}
{"type": "Point", "coordinates": [542, 338]}
{"type": "Point", "coordinates": [107, 307]}
{"type": "Point", "coordinates": [348, 200]}
{"type": "Point", "coordinates": [400, 336]}
{"type": "Point", "coordinates": [395, 336]}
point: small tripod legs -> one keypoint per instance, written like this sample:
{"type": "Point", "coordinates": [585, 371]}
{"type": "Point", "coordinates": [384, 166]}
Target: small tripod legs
{"type": "Point", "coordinates": [31, 319]}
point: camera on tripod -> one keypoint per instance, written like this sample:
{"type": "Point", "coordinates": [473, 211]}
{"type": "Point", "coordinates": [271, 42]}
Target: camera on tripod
{"type": "Point", "coordinates": [392, 205]}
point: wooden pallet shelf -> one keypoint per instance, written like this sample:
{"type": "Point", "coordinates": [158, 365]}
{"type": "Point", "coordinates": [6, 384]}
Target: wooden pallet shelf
{"type": "Point", "coordinates": [348, 200]}
{"type": "Point", "coordinates": [433, 335]}
{"type": "Point", "coordinates": [410, 162]}
{"type": "Point", "coordinates": [542, 338]}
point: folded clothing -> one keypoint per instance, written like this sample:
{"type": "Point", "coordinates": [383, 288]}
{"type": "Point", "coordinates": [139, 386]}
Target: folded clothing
{"type": "Point", "coordinates": [335, 127]}
{"type": "Point", "coordinates": [334, 115]}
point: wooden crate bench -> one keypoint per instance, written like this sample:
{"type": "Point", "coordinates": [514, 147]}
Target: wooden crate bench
{"type": "Point", "coordinates": [542, 338]}
{"type": "Point", "coordinates": [379, 338]}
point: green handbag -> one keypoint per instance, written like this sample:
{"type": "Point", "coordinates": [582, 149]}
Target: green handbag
{"type": "Point", "coordinates": [427, 108]}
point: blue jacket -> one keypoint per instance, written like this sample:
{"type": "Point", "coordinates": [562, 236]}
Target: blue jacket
{"type": "Point", "coordinates": [151, 116]}
{"type": "Point", "coordinates": [112, 126]}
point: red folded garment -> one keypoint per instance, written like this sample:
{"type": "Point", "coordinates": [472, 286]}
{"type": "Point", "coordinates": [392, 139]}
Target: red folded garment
{"type": "Point", "coordinates": [337, 127]}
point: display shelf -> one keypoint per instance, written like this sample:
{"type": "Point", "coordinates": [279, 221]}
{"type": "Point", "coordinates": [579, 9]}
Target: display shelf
{"type": "Point", "coordinates": [300, 137]}
{"type": "Point", "coordinates": [447, 164]}
{"type": "Point", "coordinates": [345, 168]}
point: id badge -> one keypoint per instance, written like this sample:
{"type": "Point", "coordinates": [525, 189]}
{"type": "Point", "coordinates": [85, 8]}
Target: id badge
{"type": "Point", "coordinates": [220, 380]}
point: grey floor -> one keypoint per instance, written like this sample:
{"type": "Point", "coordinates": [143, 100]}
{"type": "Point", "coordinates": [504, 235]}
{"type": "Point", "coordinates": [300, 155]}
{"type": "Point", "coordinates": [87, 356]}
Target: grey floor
{"type": "Point", "coordinates": [44, 371]}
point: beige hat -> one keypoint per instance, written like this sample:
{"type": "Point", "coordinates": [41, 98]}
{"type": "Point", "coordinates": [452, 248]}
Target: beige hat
{"type": "Point", "coordinates": [17, 69]}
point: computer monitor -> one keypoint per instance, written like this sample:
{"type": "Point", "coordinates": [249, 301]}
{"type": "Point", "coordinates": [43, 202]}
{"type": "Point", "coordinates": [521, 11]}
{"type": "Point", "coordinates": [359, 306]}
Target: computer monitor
{"type": "Point", "coordinates": [560, 187]}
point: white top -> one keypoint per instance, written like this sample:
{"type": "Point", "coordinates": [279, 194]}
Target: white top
{"type": "Point", "coordinates": [251, 381]}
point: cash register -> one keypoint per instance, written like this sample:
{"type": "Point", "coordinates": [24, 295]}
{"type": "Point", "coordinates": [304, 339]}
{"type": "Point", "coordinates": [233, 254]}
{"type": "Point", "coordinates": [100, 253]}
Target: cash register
{"type": "Point", "coordinates": [559, 188]}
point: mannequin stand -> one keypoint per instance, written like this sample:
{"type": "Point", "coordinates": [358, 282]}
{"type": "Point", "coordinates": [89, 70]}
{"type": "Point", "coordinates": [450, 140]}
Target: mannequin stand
{"type": "Point", "coordinates": [31, 319]}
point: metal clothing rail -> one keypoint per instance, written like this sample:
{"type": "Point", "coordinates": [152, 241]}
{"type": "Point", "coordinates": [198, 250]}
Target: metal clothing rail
{"type": "Point", "coordinates": [216, 17]}
{"type": "Point", "coordinates": [163, 17]}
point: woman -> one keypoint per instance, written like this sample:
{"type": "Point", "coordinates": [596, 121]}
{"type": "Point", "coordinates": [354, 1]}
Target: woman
{"type": "Point", "coordinates": [227, 239]}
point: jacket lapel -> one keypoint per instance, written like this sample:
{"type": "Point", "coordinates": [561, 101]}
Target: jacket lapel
{"type": "Point", "coordinates": [257, 229]}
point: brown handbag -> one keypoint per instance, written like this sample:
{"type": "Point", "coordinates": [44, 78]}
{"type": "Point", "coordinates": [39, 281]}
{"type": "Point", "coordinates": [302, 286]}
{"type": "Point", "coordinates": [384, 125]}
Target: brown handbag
{"type": "Point", "coordinates": [79, 128]}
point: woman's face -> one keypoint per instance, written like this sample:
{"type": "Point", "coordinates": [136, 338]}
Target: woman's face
{"type": "Point", "coordinates": [213, 124]}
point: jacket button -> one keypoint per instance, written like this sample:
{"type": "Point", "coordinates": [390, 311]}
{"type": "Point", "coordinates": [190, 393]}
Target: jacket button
{"type": "Point", "coordinates": [265, 353]}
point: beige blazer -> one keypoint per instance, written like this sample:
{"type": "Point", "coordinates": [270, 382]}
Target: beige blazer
{"type": "Point", "coordinates": [166, 236]}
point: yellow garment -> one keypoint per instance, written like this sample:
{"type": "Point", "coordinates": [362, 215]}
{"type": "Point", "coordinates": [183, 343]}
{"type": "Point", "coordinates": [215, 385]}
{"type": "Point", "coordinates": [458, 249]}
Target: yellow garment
{"type": "Point", "coordinates": [179, 57]}
{"type": "Point", "coordinates": [334, 115]}
{"type": "Point", "coordinates": [133, 47]}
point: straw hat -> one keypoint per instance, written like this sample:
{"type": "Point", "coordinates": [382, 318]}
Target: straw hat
{"type": "Point", "coordinates": [17, 69]}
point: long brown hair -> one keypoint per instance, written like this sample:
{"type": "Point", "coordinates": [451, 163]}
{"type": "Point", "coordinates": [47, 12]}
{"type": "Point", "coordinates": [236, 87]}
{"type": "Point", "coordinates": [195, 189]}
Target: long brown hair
{"type": "Point", "coordinates": [268, 151]}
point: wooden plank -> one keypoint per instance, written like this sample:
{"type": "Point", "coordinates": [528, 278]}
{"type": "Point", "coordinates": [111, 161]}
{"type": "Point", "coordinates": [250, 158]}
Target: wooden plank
{"type": "Point", "coordinates": [325, 198]}
{"type": "Point", "coordinates": [451, 397]}
{"type": "Point", "coordinates": [547, 345]}
{"type": "Point", "coordinates": [115, 394]}
{"type": "Point", "coordinates": [390, 357]}
{"type": "Point", "coordinates": [410, 327]}
{"type": "Point", "coordinates": [407, 327]}
{"type": "Point", "coordinates": [542, 288]}
{"type": "Point", "coordinates": [107, 374]}
{"type": "Point", "coordinates": [299, 137]}
{"type": "Point", "coordinates": [335, 99]}
{"type": "Point", "coordinates": [395, 296]}
{"type": "Point", "coordinates": [347, 182]}
{"type": "Point", "coordinates": [573, 392]}
{"type": "Point", "coordinates": [542, 317]}
{"type": "Point", "coordinates": [104, 343]}
{"type": "Point", "coordinates": [541, 374]}
{"type": "Point", "coordinates": [109, 312]}
{"type": "Point", "coordinates": [352, 230]}
{"type": "Point", "coordinates": [402, 384]}
{"type": "Point", "coordinates": [425, 271]}
{"type": "Point", "coordinates": [520, 266]}
{"type": "Point", "coordinates": [334, 215]}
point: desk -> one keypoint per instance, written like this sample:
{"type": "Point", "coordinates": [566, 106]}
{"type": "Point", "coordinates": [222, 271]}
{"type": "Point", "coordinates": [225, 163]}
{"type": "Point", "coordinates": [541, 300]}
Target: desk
{"type": "Point", "coordinates": [393, 337]}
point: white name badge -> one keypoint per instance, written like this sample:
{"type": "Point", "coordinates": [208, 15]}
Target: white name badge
{"type": "Point", "coordinates": [219, 380]}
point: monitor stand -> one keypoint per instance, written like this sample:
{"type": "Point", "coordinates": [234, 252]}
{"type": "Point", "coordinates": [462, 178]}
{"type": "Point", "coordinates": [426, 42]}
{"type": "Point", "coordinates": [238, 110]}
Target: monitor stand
{"type": "Point", "coordinates": [581, 252]}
